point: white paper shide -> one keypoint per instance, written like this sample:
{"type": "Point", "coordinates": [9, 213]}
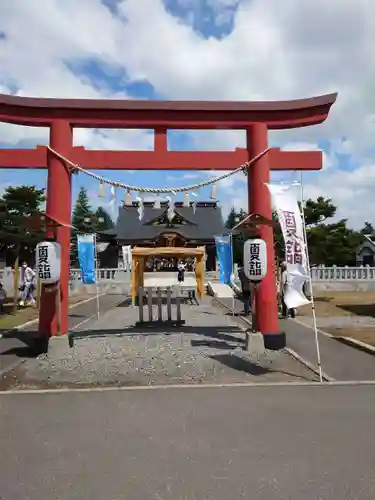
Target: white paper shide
{"type": "Point", "coordinates": [255, 259]}
{"type": "Point", "coordinates": [286, 205]}
{"type": "Point", "coordinates": [127, 257]}
{"type": "Point", "coordinates": [48, 262]}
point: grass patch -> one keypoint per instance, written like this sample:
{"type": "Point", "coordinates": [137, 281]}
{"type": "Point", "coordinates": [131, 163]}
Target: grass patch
{"type": "Point", "coordinates": [366, 335]}
{"type": "Point", "coordinates": [23, 315]}
{"type": "Point", "coordinates": [342, 304]}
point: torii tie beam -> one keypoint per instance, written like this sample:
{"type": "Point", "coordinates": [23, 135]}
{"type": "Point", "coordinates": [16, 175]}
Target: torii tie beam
{"type": "Point", "coordinates": [61, 116]}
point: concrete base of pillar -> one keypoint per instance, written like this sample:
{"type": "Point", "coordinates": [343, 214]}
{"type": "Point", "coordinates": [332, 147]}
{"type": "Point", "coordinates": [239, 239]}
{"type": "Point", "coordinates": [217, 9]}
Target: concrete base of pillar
{"type": "Point", "coordinates": [255, 343]}
{"type": "Point", "coordinates": [40, 345]}
{"type": "Point", "coordinates": [55, 344]}
{"type": "Point", "coordinates": [275, 341]}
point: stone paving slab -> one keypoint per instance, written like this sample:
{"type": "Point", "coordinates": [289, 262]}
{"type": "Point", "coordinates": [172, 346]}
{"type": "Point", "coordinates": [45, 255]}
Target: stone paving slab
{"type": "Point", "coordinates": [207, 349]}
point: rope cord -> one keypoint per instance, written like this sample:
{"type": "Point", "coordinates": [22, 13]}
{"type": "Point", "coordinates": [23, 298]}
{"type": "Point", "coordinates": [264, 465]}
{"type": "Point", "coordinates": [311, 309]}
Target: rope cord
{"type": "Point", "coordinates": [129, 187]}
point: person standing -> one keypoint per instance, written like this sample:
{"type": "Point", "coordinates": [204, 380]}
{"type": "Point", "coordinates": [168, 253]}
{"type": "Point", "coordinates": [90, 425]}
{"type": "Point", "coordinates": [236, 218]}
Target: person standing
{"type": "Point", "coordinates": [3, 296]}
{"type": "Point", "coordinates": [181, 272]}
{"type": "Point", "coordinates": [246, 290]}
{"type": "Point", "coordinates": [284, 283]}
{"type": "Point", "coordinates": [28, 285]}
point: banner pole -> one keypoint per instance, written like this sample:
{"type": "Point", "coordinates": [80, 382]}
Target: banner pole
{"type": "Point", "coordinates": [96, 279]}
{"type": "Point", "coordinates": [232, 272]}
{"type": "Point", "coordinates": [310, 281]}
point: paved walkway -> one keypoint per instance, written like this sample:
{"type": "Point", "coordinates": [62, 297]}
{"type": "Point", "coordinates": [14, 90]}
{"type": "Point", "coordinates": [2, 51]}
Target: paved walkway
{"type": "Point", "coordinates": [258, 443]}
{"type": "Point", "coordinates": [339, 361]}
{"type": "Point", "coordinates": [114, 351]}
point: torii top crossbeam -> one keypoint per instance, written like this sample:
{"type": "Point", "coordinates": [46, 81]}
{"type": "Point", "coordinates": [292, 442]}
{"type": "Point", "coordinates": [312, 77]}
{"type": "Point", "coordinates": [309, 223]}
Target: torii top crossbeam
{"type": "Point", "coordinates": [94, 113]}
{"type": "Point", "coordinates": [160, 116]}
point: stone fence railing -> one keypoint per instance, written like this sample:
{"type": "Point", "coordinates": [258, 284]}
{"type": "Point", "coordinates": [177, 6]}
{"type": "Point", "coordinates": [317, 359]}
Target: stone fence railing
{"type": "Point", "coordinates": [317, 274]}
{"type": "Point", "coordinates": [342, 273]}
{"type": "Point", "coordinates": [324, 275]}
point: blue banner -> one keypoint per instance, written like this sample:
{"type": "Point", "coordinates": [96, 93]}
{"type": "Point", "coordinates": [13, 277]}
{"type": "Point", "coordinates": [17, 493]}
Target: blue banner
{"type": "Point", "coordinates": [225, 257]}
{"type": "Point", "coordinates": [86, 257]}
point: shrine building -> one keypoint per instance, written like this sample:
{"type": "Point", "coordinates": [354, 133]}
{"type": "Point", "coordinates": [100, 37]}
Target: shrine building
{"type": "Point", "coordinates": [190, 227]}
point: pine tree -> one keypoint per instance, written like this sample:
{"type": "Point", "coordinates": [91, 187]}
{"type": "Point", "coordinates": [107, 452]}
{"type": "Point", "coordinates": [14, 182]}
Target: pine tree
{"type": "Point", "coordinates": [103, 220]}
{"type": "Point", "coordinates": [231, 219]}
{"type": "Point", "coordinates": [83, 219]}
{"type": "Point", "coordinates": [19, 205]}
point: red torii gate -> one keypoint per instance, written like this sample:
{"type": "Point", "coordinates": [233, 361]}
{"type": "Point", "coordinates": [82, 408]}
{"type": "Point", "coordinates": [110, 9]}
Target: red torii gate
{"type": "Point", "coordinates": [62, 115]}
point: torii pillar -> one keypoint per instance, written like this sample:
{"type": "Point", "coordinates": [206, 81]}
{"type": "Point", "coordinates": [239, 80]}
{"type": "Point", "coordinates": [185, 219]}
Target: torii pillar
{"type": "Point", "coordinates": [59, 206]}
{"type": "Point", "coordinates": [62, 115]}
{"type": "Point", "coordinates": [259, 202]}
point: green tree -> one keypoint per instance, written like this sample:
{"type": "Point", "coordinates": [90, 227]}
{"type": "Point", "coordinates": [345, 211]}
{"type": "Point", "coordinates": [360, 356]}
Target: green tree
{"type": "Point", "coordinates": [83, 218]}
{"type": "Point", "coordinates": [333, 244]}
{"type": "Point", "coordinates": [234, 217]}
{"type": "Point", "coordinates": [317, 212]}
{"type": "Point", "coordinates": [83, 221]}
{"type": "Point", "coordinates": [103, 220]}
{"type": "Point", "coordinates": [19, 205]}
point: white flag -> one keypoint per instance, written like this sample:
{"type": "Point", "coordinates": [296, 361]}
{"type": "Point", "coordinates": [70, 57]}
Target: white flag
{"type": "Point", "coordinates": [286, 205]}
{"type": "Point", "coordinates": [112, 201]}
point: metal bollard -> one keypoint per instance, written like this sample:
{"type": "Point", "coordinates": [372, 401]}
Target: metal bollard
{"type": "Point", "coordinates": [140, 304]}
{"type": "Point", "coordinates": [159, 303]}
{"type": "Point", "coordinates": [178, 308]}
{"type": "Point", "coordinates": [169, 304]}
{"type": "Point", "coordinates": [149, 301]}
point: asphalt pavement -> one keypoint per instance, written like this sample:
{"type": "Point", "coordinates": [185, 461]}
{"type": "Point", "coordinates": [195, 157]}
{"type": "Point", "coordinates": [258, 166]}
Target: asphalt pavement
{"type": "Point", "coordinates": [339, 361]}
{"type": "Point", "coordinates": [259, 443]}
{"type": "Point", "coordinates": [14, 344]}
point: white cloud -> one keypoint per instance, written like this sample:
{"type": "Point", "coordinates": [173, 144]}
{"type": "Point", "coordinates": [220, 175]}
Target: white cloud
{"type": "Point", "coordinates": [276, 50]}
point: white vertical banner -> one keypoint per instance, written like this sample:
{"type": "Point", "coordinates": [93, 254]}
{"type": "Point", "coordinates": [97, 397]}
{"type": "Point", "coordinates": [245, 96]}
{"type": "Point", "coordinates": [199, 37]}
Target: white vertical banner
{"type": "Point", "coordinates": [286, 206]}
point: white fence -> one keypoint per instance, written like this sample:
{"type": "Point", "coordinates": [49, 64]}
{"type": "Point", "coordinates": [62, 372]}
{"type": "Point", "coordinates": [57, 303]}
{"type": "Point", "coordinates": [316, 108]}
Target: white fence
{"type": "Point", "coordinates": [342, 273]}
{"type": "Point", "coordinates": [334, 275]}
{"type": "Point", "coordinates": [317, 273]}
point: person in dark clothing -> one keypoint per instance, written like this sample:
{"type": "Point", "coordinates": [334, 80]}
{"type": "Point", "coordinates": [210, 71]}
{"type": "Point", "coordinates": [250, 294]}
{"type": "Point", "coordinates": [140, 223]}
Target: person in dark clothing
{"type": "Point", "coordinates": [246, 291]}
{"type": "Point", "coordinates": [283, 288]}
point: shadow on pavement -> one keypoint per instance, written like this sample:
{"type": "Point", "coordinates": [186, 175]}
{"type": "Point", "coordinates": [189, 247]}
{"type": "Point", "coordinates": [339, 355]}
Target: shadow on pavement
{"type": "Point", "coordinates": [31, 345]}
{"type": "Point", "coordinates": [246, 366]}
{"type": "Point", "coordinates": [359, 309]}
{"type": "Point", "coordinates": [217, 332]}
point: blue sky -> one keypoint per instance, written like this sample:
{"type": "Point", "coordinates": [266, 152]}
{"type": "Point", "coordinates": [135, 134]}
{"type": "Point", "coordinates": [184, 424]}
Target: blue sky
{"type": "Point", "coordinates": [196, 49]}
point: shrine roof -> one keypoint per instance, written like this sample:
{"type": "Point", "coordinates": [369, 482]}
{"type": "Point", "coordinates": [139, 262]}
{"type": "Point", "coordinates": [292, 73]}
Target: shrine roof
{"type": "Point", "coordinates": [171, 114]}
{"type": "Point", "coordinates": [203, 225]}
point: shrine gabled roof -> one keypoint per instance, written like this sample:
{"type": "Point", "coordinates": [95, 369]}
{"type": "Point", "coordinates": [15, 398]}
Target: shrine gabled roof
{"type": "Point", "coordinates": [204, 224]}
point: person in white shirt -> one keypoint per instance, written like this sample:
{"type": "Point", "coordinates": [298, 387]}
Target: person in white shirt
{"type": "Point", "coordinates": [28, 285]}
{"type": "Point", "coordinates": [181, 272]}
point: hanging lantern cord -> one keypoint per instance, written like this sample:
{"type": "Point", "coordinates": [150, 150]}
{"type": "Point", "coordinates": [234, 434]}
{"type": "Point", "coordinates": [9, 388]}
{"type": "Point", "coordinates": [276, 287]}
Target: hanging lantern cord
{"type": "Point", "coordinates": [243, 168]}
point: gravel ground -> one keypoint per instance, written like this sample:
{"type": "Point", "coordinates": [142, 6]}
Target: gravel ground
{"type": "Point", "coordinates": [207, 349]}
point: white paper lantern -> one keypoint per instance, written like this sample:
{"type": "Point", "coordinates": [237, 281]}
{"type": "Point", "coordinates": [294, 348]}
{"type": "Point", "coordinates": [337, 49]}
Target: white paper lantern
{"type": "Point", "coordinates": [255, 259]}
{"type": "Point", "coordinates": [48, 262]}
